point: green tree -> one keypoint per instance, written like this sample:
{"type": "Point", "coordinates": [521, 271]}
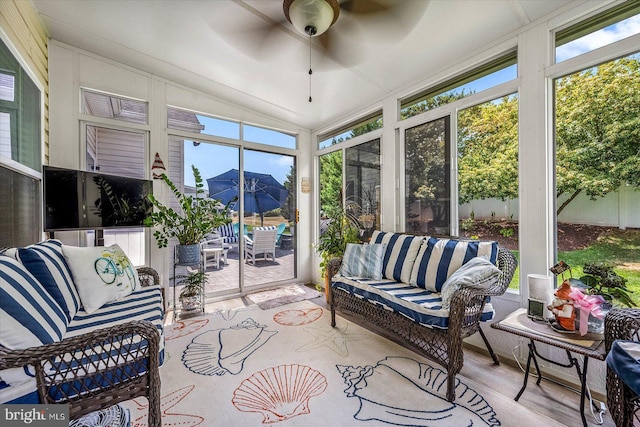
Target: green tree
{"type": "Point", "coordinates": [331, 182]}
{"type": "Point", "coordinates": [598, 130]}
{"type": "Point", "coordinates": [488, 151]}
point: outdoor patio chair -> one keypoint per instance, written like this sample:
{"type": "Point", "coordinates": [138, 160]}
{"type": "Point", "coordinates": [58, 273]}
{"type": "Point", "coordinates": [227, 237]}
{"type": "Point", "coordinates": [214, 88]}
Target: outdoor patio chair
{"type": "Point", "coordinates": [280, 230]}
{"type": "Point", "coordinates": [263, 242]}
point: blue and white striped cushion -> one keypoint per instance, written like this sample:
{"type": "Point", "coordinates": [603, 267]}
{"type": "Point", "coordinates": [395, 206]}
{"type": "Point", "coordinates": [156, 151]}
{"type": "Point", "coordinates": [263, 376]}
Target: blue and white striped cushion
{"type": "Point", "coordinates": [46, 262]}
{"type": "Point", "coordinates": [419, 305]}
{"type": "Point", "coordinates": [28, 314]}
{"type": "Point", "coordinates": [624, 360]}
{"type": "Point", "coordinates": [266, 227]}
{"type": "Point", "coordinates": [143, 304]}
{"type": "Point", "coordinates": [226, 230]}
{"type": "Point", "coordinates": [363, 260]}
{"type": "Point", "coordinates": [400, 255]}
{"type": "Point", "coordinates": [440, 258]}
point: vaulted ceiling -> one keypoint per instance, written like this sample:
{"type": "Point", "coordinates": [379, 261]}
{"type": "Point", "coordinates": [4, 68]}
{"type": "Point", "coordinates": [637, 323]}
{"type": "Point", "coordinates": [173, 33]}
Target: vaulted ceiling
{"type": "Point", "coordinates": [245, 51]}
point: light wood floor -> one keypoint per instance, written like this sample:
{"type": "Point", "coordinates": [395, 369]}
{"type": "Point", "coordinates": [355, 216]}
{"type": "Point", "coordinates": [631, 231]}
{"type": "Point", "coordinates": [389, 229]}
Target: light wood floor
{"type": "Point", "coordinates": [550, 399]}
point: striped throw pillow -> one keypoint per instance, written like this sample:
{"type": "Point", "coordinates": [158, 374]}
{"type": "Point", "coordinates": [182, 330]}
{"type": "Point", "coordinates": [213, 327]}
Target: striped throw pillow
{"type": "Point", "coordinates": [28, 314]}
{"type": "Point", "coordinates": [440, 258]}
{"type": "Point", "coordinates": [46, 262]}
{"type": "Point", "coordinates": [400, 254]}
{"type": "Point", "coordinates": [363, 261]}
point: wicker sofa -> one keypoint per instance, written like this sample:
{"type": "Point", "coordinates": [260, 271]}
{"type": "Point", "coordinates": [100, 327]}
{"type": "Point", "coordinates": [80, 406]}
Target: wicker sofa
{"type": "Point", "coordinates": [406, 304]}
{"type": "Point", "coordinates": [623, 403]}
{"type": "Point", "coordinates": [53, 350]}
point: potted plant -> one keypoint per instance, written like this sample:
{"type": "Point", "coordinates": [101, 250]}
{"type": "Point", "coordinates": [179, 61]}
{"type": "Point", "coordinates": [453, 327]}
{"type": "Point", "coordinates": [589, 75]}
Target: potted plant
{"type": "Point", "coordinates": [192, 289]}
{"type": "Point", "coordinates": [198, 216]}
{"type": "Point", "coordinates": [600, 282]}
{"type": "Point", "coordinates": [341, 228]}
{"type": "Point", "coordinates": [600, 279]}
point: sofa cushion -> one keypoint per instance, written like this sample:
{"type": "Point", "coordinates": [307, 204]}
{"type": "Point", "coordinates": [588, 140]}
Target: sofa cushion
{"type": "Point", "coordinates": [419, 305]}
{"type": "Point", "coordinates": [478, 272]}
{"type": "Point", "coordinates": [363, 260]}
{"type": "Point", "coordinates": [29, 316]}
{"type": "Point", "coordinates": [101, 274]}
{"type": "Point", "coordinates": [400, 254]}
{"type": "Point", "coordinates": [624, 360]}
{"type": "Point", "coordinates": [46, 262]}
{"type": "Point", "coordinates": [440, 258]}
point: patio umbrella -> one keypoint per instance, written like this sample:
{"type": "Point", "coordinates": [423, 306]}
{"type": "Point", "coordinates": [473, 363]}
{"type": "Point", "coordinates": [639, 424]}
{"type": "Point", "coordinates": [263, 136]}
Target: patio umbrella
{"type": "Point", "coordinates": [262, 192]}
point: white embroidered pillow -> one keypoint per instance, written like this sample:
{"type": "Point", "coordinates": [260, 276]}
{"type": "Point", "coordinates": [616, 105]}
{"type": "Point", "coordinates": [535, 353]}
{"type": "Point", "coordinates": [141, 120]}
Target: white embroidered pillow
{"type": "Point", "coordinates": [101, 274]}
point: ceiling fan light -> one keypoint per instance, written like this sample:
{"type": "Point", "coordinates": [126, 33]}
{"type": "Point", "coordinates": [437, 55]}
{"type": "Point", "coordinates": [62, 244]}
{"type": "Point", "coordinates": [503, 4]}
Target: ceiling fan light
{"type": "Point", "coordinates": [311, 17]}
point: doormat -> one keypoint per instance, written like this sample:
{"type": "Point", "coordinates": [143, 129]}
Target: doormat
{"type": "Point", "coordinates": [281, 296]}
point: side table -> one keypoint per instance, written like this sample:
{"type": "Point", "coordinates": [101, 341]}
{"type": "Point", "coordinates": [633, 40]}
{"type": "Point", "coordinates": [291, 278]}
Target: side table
{"type": "Point", "coordinates": [588, 347]}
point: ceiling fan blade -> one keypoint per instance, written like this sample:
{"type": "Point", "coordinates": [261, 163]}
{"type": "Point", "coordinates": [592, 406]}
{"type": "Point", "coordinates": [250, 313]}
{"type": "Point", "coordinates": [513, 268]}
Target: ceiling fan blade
{"type": "Point", "coordinates": [383, 20]}
{"type": "Point", "coordinates": [263, 41]}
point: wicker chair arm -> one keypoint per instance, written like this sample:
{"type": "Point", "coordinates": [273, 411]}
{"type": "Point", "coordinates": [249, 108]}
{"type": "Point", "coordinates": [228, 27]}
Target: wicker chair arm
{"type": "Point", "coordinates": [621, 324]}
{"type": "Point", "coordinates": [148, 276]}
{"type": "Point", "coordinates": [468, 302]}
{"type": "Point", "coordinates": [35, 355]}
{"type": "Point", "coordinates": [333, 266]}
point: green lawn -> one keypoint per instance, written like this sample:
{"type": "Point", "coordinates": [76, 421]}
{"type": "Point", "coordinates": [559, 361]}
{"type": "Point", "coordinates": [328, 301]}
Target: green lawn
{"type": "Point", "coordinates": [620, 248]}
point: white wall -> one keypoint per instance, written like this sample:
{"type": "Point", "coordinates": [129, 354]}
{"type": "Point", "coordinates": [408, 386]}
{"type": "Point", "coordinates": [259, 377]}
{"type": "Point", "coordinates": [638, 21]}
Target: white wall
{"type": "Point", "coordinates": [70, 69]}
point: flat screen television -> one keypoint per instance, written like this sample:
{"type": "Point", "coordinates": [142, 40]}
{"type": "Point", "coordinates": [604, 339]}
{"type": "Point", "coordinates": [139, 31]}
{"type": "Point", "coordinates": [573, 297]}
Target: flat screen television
{"type": "Point", "coordinates": [81, 200]}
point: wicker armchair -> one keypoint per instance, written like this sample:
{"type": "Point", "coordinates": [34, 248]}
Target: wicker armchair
{"type": "Point", "coordinates": [97, 369]}
{"type": "Point", "coordinates": [624, 404]}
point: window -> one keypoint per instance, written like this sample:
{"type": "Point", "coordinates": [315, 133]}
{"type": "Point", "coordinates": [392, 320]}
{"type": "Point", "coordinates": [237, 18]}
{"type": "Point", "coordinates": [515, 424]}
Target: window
{"type": "Point", "coordinates": [119, 152]}
{"type": "Point", "coordinates": [114, 107]}
{"type": "Point", "coordinates": [189, 121]}
{"type": "Point", "coordinates": [356, 128]}
{"type": "Point", "coordinates": [603, 29]}
{"type": "Point", "coordinates": [597, 170]}
{"type": "Point", "coordinates": [20, 115]}
{"type": "Point", "coordinates": [20, 153]}
{"type": "Point", "coordinates": [480, 78]}
{"type": "Point", "coordinates": [362, 186]}
{"type": "Point", "coordinates": [427, 178]}
{"type": "Point", "coordinates": [488, 173]}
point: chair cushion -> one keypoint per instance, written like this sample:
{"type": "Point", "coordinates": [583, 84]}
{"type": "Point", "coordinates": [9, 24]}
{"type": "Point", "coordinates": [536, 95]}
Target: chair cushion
{"type": "Point", "coordinates": [478, 272]}
{"type": "Point", "coordinates": [419, 305]}
{"type": "Point", "coordinates": [440, 258]}
{"type": "Point", "coordinates": [143, 304]}
{"type": "Point", "coordinates": [101, 274]}
{"type": "Point", "coordinates": [363, 260]}
{"type": "Point", "coordinates": [400, 254]}
{"type": "Point", "coordinates": [624, 360]}
{"type": "Point", "coordinates": [29, 316]}
{"type": "Point", "coordinates": [46, 262]}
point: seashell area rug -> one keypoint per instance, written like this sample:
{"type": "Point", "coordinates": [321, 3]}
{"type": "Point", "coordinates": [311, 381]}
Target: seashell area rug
{"type": "Point", "coordinates": [287, 366]}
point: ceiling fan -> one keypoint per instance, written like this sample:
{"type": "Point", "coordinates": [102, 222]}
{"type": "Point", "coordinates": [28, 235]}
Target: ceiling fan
{"type": "Point", "coordinates": [363, 24]}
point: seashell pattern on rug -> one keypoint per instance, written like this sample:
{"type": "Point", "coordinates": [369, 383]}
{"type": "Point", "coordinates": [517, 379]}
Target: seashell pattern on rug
{"type": "Point", "coordinates": [297, 317]}
{"type": "Point", "coordinates": [222, 351]}
{"type": "Point", "coordinates": [184, 327]}
{"type": "Point", "coordinates": [374, 386]}
{"type": "Point", "coordinates": [279, 393]}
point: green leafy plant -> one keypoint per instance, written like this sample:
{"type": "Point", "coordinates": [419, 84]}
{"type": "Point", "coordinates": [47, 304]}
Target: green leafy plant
{"type": "Point", "coordinates": [342, 228]}
{"type": "Point", "coordinates": [192, 283]}
{"type": "Point", "coordinates": [506, 232]}
{"type": "Point", "coordinates": [199, 215]}
{"type": "Point", "coordinates": [467, 224]}
{"type": "Point", "coordinates": [600, 279]}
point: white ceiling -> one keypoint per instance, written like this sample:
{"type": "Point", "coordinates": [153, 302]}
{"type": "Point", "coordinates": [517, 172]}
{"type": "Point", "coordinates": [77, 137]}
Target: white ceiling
{"type": "Point", "coordinates": [223, 47]}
